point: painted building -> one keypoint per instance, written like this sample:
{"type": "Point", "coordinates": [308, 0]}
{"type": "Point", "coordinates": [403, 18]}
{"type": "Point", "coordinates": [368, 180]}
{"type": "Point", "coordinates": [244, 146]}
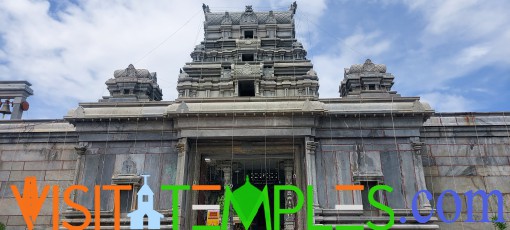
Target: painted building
{"type": "Point", "coordinates": [248, 106]}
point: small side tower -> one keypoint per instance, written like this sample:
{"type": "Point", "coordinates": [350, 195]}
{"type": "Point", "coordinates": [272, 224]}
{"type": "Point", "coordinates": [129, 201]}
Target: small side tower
{"type": "Point", "coordinates": [367, 80]}
{"type": "Point", "coordinates": [132, 84]}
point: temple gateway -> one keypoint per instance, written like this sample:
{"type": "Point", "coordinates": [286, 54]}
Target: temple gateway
{"type": "Point", "coordinates": [248, 108]}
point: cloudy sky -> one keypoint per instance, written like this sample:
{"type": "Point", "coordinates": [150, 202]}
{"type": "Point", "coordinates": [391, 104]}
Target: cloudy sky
{"type": "Point", "coordinates": [455, 54]}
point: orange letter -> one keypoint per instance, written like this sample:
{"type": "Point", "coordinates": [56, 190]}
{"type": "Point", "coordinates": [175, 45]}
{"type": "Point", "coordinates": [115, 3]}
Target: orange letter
{"type": "Point", "coordinates": [30, 204]}
{"type": "Point", "coordinates": [97, 207]}
{"type": "Point", "coordinates": [56, 214]}
{"type": "Point", "coordinates": [76, 206]}
{"type": "Point", "coordinates": [116, 201]}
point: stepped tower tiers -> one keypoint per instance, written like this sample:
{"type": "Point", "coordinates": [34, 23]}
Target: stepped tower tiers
{"type": "Point", "coordinates": [249, 54]}
{"type": "Point", "coordinates": [132, 84]}
{"type": "Point", "coordinates": [367, 80]}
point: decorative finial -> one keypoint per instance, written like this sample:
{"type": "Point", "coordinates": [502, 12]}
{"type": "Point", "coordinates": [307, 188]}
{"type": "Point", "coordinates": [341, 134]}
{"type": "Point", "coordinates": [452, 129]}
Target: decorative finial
{"type": "Point", "coordinates": [205, 8]}
{"type": "Point", "coordinates": [293, 7]}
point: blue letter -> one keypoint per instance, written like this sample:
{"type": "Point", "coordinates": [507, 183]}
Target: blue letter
{"type": "Point", "coordinates": [485, 204]}
{"type": "Point", "coordinates": [416, 211]}
{"type": "Point", "coordinates": [440, 212]}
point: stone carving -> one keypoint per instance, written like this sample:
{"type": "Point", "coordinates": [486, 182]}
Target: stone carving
{"type": "Point", "coordinates": [129, 167]}
{"type": "Point", "coordinates": [205, 8]}
{"type": "Point", "coordinates": [293, 8]}
{"type": "Point", "coordinates": [367, 80]}
{"type": "Point", "coordinates": [288, 167]}
{"type": "Point", "coordinates": [247, 69]}
{"type": "Point", "coordinates": [249, 36]}
{"type": "Point", "coordinates": [183, 108]}
{"type": "Point", "coordinates": [311, 72]}
{"type": "Point", "coordinates": [366, 164]}
{"type": "Point", "coordinates": [79, 112]}
{"type": "Point", "coordinates": [132, 84]}
{"type": "Point", "coordinates": [131, 72]}
{"type": "Point", "coordinates": [270, 18]}
{"type": "Point", "coordinates": [183, 74]}
{"type": "Point", "coordinates": [249, 17]}
{"type": "Point", "coordinates": [226, 19]}
{"type": "Point", "coordinates": [368, 66]}
{"type": "Point", "coordinates": [81, 149]}
{"type": "Point", "coordinates": [417, 146]}
{"type": "Point", "coordinates": [311, 146]}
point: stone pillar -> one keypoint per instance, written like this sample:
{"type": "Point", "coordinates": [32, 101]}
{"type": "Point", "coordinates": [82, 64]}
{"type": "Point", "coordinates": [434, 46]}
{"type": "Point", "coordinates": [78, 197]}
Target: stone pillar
{"type": "Point", "coordinates": [418, 170]}
{"type": "Point", "coordinates": [182, 150]}
{"type": "Point", "coordinates": [80, 150]}
{"type": "Point", "coordinates": [311, 176]}
{"type": "Point", "coordinates": [16, 108]}
{"type": "Point", "coordinates": [226, 167]}
{"type": "Point", "coordinates": [290, 219]}
{"type": "Point", "coordinates": [257, 91]}
{"type": "Point", "coordinates": [235, 89]}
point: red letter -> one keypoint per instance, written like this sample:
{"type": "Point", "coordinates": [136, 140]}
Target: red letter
{"type": "Point", "coordinates": [76, 206]}
{"type": "Point", "coordinates": [116, 202]}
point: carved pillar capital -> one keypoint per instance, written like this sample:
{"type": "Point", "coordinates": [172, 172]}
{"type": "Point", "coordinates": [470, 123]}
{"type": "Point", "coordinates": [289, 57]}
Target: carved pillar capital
{"type": "Point", "coordinates": [311, 146]}
{"type": "Point", "coordinates": [181, 146]}
{"type": "Point", "coordinates": [81, 149]}
{"type": "Point", "coordinates": [226, 167]}
{"type": "Point", "coordinates": [417, 146]}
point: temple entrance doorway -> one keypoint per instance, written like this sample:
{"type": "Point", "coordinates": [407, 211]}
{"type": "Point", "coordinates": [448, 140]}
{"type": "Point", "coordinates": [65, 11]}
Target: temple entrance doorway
{"type": "Point", "coordinates": [260, 173]}
{"type": "Point", "coordinates": [233, 170]}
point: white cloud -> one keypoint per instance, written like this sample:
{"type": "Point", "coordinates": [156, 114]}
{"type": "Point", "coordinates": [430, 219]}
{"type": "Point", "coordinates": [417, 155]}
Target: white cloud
{"type": "Point", "coordinates": [443, 102]}
{"type": "Point", "coordinates": [352, 50]}
{"type": "Point", "coordinates": [471, 55]}
{"type": "Point", "coordinates": [69, 59]}
{"type": "Point", "coordinates": [309, 12]}
{"type": "Point", "coordinates": [458, 38]}
{"type": "Point", "coordinates": [475, 31]}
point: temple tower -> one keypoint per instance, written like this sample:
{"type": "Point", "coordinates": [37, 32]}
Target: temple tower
{"type": "Point", "coordinates": [249, 54]}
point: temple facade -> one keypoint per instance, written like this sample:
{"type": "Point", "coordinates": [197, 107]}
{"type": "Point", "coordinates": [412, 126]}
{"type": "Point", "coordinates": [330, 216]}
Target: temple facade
{"type": "Point", "coordinates": [248, 107]}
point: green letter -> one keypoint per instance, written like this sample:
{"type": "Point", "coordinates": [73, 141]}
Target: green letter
{"type": "Point", "coordinates": [277, 211]}
{"type": "Point", "coordinates": [380, 206]}
{"type": "Point", "coordinates": [246, 201]}
{"type": "Point", "coordinates": [309, 212]}
{"type": "Point", "coordinates": [175, 202]}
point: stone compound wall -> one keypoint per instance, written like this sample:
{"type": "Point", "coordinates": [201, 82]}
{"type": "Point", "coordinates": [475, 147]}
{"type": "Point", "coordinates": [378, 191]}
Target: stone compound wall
{"type": "Point", "coordinates": [368, 149]}
{"type": "Point", "coordinates": [130, 147]}
{"type": "Point", "coordinates": [467, 152]}
{"type": "Point", "coordinates": [43, 149]}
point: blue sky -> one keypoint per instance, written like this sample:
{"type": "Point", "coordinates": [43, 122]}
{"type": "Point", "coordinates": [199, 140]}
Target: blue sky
{"type": "Point", "coordinates": [452, 53]}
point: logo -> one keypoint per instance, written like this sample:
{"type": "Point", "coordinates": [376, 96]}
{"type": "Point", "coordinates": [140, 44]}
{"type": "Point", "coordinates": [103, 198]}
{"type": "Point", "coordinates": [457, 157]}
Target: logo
{"type": "Point", "coordinates": [145, 207]}
{"type": "Point", "coordinates": [245, 201]}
